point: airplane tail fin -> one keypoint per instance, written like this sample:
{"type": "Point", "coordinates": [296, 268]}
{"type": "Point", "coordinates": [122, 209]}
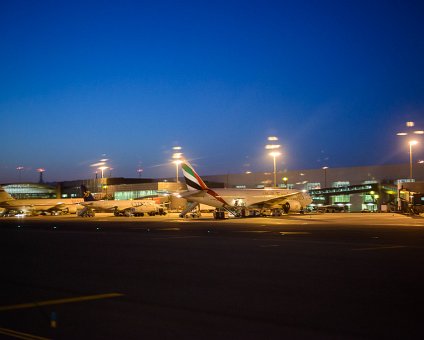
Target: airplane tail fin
{"type": "Point", "coordinates": [86, 194]}
{"type": "Point", "coordinates": [192, 179]}
{"type": "Point", "coordinates": [4, 195]}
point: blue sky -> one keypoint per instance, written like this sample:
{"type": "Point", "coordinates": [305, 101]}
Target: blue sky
{"type": "Point", "coordinates": [334, 80]}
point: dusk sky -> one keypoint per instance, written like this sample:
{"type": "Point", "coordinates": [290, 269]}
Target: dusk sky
{"type": "Point", "coordinates": [334, 80]}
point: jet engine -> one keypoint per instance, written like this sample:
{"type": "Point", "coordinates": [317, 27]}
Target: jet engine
{"type": "Point", "coordinates": [292, 205]}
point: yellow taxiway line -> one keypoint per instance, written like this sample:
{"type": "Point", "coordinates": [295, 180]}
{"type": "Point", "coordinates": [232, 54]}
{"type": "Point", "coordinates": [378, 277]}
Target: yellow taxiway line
{"type": "Point", "coordinates": [26, 336]}
{"type": "Point", "coordinates": [20, 335]}
{"type": "Point", "coordinates": [59, 301]}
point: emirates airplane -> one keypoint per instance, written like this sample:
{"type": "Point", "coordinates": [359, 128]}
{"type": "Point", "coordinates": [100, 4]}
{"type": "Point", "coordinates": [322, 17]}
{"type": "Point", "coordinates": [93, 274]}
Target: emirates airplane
{"type": "Point", "coordinates": [240, 202]}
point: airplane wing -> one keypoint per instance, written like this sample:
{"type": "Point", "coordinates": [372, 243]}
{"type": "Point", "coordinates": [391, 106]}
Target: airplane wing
{"type": "Point", "coordinates": [58, 206]}
{"type": "Point", "coordinates": [298, 195]}
{"type": "Point", "coordinates": [46, 207]}
{"type": "Point", "coordinates": [187, 194]}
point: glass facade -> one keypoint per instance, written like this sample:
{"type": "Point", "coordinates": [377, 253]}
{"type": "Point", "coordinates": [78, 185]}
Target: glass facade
{"type": "Point", "coordinates": [130, 195]}
{"type": "Point", "coordinates": [340, 199]}
{"type": "Point", "coordinates": [30, 190]}
{"type": "Point", "coordinates": [311, 186]}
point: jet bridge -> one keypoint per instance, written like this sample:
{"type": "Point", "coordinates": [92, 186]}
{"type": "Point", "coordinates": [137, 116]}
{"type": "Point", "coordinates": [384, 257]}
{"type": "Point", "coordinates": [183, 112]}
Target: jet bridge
{"type": "Point", "coordinates": [346, 190]}
{"type": "Point", "coordinates": [373, 189]}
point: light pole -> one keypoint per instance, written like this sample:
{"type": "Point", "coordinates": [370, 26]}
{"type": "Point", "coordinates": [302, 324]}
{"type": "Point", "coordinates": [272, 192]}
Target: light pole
{"type": "Point", "coordinates": [102, 169]}
{"type": "Point", "coordinates": [177, 163]}
{"type": "Point", "coordinates": [325, 175]}
{"type": "Point", "coordinates": [412, 142]}
{"type": "Point", "coordinates": [101, 165]}
{"type": "Point", "coordinates": [176, 156]}
{"type": "Point", "coordinates": [274, 154]}
{"type": "Point", "coordinates": [409, 126]}
{"type": "Point", "coordinates": [41, 170]}
{"type": "Point", "coordinates": [103, 181]}
{"type": "Point", "coordinates": [139, 171]}
{"type": "Point", "coordinates": [19, 168]}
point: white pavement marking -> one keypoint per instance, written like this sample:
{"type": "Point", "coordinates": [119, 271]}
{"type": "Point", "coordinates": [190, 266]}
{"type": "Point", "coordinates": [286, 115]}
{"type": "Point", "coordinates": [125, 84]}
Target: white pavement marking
{"type": "Point", "coordinates": [379, 248]}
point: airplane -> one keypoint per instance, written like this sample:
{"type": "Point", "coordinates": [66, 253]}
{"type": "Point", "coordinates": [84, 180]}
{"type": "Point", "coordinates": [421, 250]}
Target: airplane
{"type": "Point", "coordinates": [54, 206]}
{"type": "Point", "coordinates": [240, 202]}
{"type": "Point", "coordinates": [118, 207]}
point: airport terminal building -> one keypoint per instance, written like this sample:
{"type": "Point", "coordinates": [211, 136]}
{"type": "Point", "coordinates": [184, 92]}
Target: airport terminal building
{"type": "Point", "coordinates": [365, 188]}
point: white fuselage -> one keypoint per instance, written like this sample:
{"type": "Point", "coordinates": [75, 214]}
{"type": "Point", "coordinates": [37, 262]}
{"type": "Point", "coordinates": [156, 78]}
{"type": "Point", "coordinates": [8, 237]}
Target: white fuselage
{"type": "Point", "coordinates": [120, 205]}
{"type": "Point", "coordinates": [42, 204]}
{"type": "Point", "coordinates": [251, 198]}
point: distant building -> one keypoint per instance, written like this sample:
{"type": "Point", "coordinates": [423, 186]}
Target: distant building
{"type": "Point", "coordinates": [31, 190]}
{"type": "Point", "coordinates": [364, 188]}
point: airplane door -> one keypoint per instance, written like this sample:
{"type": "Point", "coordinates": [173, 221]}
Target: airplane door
{"type": "Point", "coordinates": [239, 202]}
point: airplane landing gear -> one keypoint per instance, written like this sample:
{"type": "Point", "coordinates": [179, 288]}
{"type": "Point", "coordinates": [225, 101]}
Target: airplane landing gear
{"type": "Point", "coordinates": [86, 212]}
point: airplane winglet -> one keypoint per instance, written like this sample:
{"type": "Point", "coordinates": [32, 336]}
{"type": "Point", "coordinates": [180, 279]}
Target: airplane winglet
{"type": "Point", "coordinates": [86, 194]}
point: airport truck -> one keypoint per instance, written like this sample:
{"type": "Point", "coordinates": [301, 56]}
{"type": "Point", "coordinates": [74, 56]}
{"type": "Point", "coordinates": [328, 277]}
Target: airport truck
{"type": "Point", "coordinates": [411, 202]}
{"type": "Point", "coordinates": [417, 204]}
{"type": "Point", "coordinates": [150, 209]}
